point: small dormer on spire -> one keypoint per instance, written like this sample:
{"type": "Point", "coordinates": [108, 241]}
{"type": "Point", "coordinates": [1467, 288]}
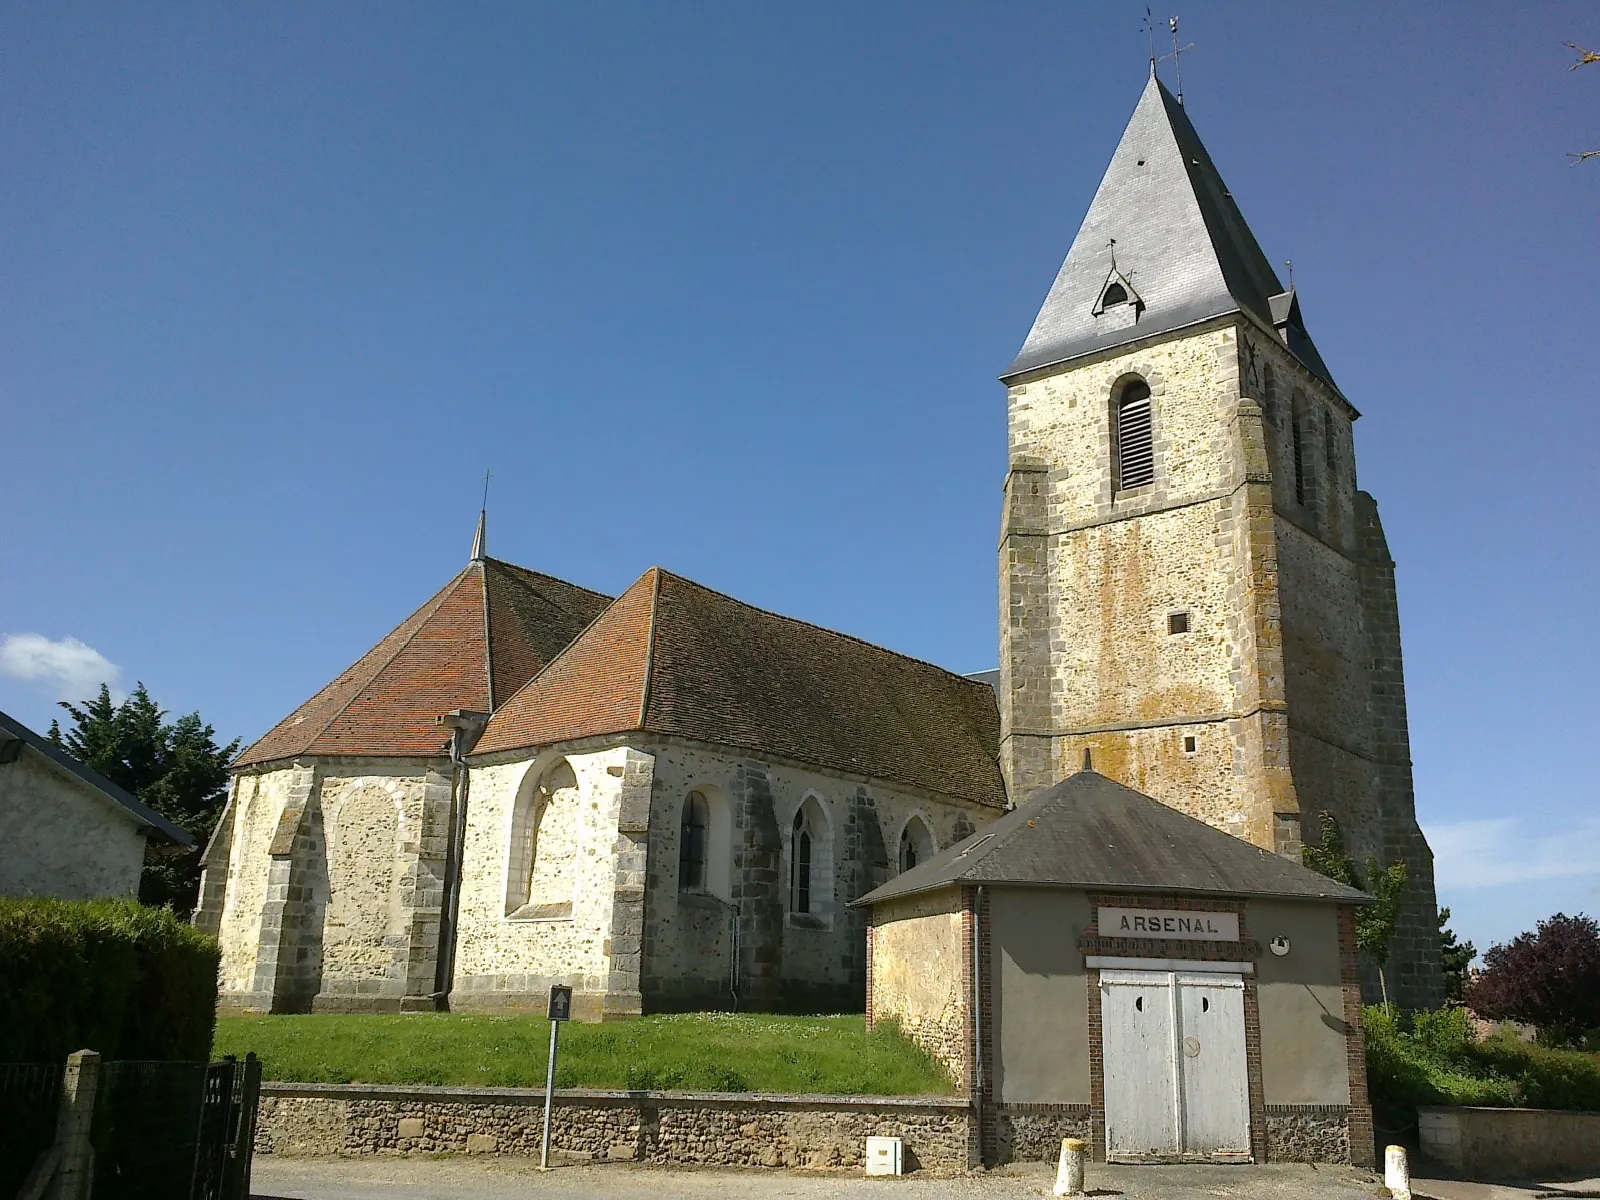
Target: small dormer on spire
{"type": "Point", "coordinates": [1117, 290]}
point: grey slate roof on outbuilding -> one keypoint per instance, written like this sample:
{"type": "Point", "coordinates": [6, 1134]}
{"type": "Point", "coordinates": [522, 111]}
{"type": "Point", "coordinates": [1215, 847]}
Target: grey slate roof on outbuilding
{"type": "Point", "coordinates": [1181, 242]}
{"type": "Point", "coordinates": [15, 731]}
{"type": "Point", "coordinates": [1092, 832]}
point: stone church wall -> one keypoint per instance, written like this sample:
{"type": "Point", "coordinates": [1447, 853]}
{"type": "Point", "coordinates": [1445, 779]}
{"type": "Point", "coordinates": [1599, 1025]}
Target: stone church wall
{"type": "Point", "coordinates": [1118, 683]}
{"type": "Point", "coordinates": [1288, 681]}
{"type": "Point", "coordinates": [507, 962]}
{"type": "Point", "coordinates": [332, 896]}
{"type": "Point", "coordinates": [739, 941]}
{"type": "Point", "coordinates": [258, 804]}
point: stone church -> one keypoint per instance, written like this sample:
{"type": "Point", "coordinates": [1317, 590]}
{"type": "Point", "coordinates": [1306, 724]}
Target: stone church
{"type": "Point", "coordinates": [670, 799]}
{"type": "Point", "coordinates": [665, 800]}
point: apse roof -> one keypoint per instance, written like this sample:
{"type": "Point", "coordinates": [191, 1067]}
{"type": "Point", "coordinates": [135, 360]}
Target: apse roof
{"type": "Point", "coordinates": [1182, 247]}
{"type": "Point", "coordinates": [480, 638]}
{"type": "Point", "coordinates": [1091, 832]}
{"type": "Point", "coordinates": [671, 657]}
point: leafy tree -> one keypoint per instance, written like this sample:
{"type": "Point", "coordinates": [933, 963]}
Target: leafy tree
{"type": "Point", "coordinates": [1375, 922]}
{"type": "Point", "coordinates": [1549, 979]}
{"type": "Point", "coordinates": [1454, 959]}
{"type": "Point", "coordinates": [176, 767]}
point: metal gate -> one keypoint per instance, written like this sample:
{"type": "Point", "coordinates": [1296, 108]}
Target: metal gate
{"type": "Point", "coordinates": [159, 1126]}
{"type": "Point", "coordinates": [1176, 1080]}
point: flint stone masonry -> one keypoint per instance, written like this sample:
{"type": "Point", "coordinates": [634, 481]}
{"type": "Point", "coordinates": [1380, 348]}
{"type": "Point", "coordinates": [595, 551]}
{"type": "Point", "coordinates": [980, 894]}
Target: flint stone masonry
{"type": "Point", "coordinates": [1308, 1133]}
{"type": "Point", "coordinates": [707, 1129]}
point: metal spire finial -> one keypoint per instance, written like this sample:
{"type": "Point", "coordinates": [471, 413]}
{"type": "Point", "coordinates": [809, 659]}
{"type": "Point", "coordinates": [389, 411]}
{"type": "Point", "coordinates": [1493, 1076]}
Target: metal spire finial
{"type": "Point", "coordinates": [1289, 262]}
{"type": "Point", "coordinates": [1150, 35]}
{"type": "Point", "coordinates": [1176, 56]}
{"type": "Point", "coordinates": [480, 541]}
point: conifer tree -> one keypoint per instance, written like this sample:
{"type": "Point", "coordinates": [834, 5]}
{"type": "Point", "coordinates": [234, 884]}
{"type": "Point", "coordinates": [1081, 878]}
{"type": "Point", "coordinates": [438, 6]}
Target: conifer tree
{"type": "Point", "coordinates": [176, 767]}
{"type": "Point", "coordinates": [1454, 959]}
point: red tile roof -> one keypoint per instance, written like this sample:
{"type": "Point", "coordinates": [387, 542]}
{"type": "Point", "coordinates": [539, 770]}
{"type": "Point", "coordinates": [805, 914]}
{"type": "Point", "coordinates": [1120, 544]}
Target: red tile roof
{"type": "Point", "coordinates": [485, 634]}
{"type": "Point", "coordinates": [672, 657]}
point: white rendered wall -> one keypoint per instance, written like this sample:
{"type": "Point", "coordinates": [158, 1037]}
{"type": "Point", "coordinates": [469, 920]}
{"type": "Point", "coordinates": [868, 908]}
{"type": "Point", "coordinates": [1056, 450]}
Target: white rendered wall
{"type": "Point", "coordinates": [60, 836]}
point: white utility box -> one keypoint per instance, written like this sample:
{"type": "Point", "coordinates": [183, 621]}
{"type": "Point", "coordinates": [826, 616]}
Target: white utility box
{"type": "Point", "coordinates": [885, 1156]}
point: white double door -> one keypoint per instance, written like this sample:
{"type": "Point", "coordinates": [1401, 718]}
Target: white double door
{"type": "Point", "coordinates": [1176, 1079]}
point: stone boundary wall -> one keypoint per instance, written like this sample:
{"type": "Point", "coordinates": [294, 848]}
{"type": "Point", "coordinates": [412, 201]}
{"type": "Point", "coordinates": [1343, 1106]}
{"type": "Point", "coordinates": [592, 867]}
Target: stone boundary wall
{"type": "Point", "coordinates": [700, 1128]}
{"type": "Point", "coordinates": [1511, 1143]}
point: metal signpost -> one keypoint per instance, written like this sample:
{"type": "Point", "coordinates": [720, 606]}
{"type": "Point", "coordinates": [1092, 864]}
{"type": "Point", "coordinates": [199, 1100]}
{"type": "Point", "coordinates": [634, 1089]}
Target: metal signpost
{"type": "Point", "coordinates": [560, 1010]}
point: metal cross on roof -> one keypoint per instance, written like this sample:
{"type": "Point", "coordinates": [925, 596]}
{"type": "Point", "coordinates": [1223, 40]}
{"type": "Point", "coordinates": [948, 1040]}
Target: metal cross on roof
{"type": "Point", "coordinates": [1176, 56]}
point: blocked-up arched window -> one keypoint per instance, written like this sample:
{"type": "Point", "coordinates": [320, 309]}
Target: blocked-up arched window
{"type": "Point", "coordinates": [916, 843]}
{"type": "Point", "coordinates": [1133, 458]}
{"type": "Point", "coordinates": [546, 844]}
{"type": "Point", "coordinates": [694, 838]}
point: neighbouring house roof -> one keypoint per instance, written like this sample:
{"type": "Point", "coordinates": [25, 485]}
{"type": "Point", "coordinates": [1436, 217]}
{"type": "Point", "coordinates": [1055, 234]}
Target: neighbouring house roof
{"type": "Point", "coordinates": [1091, 832]}
{"type": "Point", "coordinates": [15, 731]}
{"type": "Point", "coordinates": [485, 634]}
{"type": "Point", "coordinates": [1181, 243]}
{"type": "Point", "coordinates": [672, 657]}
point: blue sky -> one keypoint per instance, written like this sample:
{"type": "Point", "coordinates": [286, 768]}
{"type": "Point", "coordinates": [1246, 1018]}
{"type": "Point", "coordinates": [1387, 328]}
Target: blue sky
{"type": "Point", "coordinates": [726, 287]}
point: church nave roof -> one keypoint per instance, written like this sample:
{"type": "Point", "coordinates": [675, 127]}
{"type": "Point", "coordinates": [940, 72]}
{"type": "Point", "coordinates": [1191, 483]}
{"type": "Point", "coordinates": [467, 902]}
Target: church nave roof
{"type": "Point", "coordinates": [672, 657]}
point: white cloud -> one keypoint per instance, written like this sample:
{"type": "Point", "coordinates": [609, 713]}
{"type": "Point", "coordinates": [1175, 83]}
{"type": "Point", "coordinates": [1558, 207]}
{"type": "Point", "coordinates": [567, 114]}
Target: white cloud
{"type": "Point", "coordinates": [1499, 851]}
{"type": "Point", "coordinates": [68, 669]}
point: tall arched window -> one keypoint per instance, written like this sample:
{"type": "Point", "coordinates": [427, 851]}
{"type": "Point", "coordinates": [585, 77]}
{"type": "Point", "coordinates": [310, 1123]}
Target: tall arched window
{"type": "Point", "coordinates": [1297, 438]}
{"type": "Point", "coordinates": [1133, 445]}
{"type": "Point", "coordinates": [916, 844]}
{"type": "Point", "coordinates": [694, 837]}
{"type": "Point", "coordinates": [800, 861]}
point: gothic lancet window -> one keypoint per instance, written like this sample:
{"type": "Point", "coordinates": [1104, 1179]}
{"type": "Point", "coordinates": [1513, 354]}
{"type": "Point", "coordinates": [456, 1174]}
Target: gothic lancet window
{"type": "Point", "coordinates": [800, 862]}
{"type": "Point", "coordinates": [693, 838]}
{"type": "Point", "coordinates": [1133, 445]}
{"type": "Point", "coordinates": [1297, 437]}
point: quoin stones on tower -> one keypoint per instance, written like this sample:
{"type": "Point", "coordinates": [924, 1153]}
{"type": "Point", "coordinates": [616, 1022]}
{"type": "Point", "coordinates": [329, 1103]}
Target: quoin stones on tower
{"type": "Point", "coordinates": [1192, 586]}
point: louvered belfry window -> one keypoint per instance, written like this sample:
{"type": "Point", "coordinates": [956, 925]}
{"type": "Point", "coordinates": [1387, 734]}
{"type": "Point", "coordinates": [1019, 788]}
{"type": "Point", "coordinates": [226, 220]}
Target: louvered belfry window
{"type": "Point", "coordinates": [1135, 459]}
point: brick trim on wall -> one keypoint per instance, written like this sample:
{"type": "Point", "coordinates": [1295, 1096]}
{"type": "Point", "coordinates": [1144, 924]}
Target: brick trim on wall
{"type": "Point", "coordinates": [985, 1006]}
{"type": "Point", "coordinates": [1363, 1146]}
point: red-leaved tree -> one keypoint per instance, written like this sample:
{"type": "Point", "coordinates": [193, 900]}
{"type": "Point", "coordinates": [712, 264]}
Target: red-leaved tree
{"type": "Point", "coordinates": [1549, 979]}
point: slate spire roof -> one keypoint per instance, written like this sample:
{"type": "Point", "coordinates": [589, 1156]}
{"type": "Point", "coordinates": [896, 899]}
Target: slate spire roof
{"type": "Point", "coordinates": [1091, 832]}
{"type": "Point", "coordinates": [1181, 242]}
{"type": "Point", "coordinates": [671, 657]}
{"type": "Point", "coordinates": [480, 638]}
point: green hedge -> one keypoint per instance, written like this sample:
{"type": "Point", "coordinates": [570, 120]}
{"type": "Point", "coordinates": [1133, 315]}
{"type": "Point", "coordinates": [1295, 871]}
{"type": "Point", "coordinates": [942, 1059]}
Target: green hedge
{"type": "Point", "coordinates": [107, 975]}
{"type": "Point", "coordinates": [1425, 1058]}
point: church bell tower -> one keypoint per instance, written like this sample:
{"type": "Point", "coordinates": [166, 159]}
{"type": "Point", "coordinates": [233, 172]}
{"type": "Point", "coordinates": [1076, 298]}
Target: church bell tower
{"type": "Point", "coordinates": [1192, 588]}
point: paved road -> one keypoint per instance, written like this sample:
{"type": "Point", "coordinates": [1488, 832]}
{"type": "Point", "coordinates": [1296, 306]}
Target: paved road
{"type": "Point", "coordinates": [503, 1179]}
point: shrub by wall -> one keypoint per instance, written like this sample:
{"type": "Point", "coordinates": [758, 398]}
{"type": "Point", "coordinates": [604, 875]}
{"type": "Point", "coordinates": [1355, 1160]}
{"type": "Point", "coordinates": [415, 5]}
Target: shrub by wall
{"type": "Point", "coordinates": [1429, 1058]}
{"type": "Point", "coordinates": [107, 975]}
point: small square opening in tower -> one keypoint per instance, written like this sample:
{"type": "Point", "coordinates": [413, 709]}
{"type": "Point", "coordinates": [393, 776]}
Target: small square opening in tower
{"type": "Point", "coordinates": [1178, 622]}
{"type": "Point", "coordinates": [1191, 744]}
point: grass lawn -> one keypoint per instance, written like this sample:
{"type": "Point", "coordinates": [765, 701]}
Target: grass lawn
{"type": "Point", "coordinates": [717, 1052]}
